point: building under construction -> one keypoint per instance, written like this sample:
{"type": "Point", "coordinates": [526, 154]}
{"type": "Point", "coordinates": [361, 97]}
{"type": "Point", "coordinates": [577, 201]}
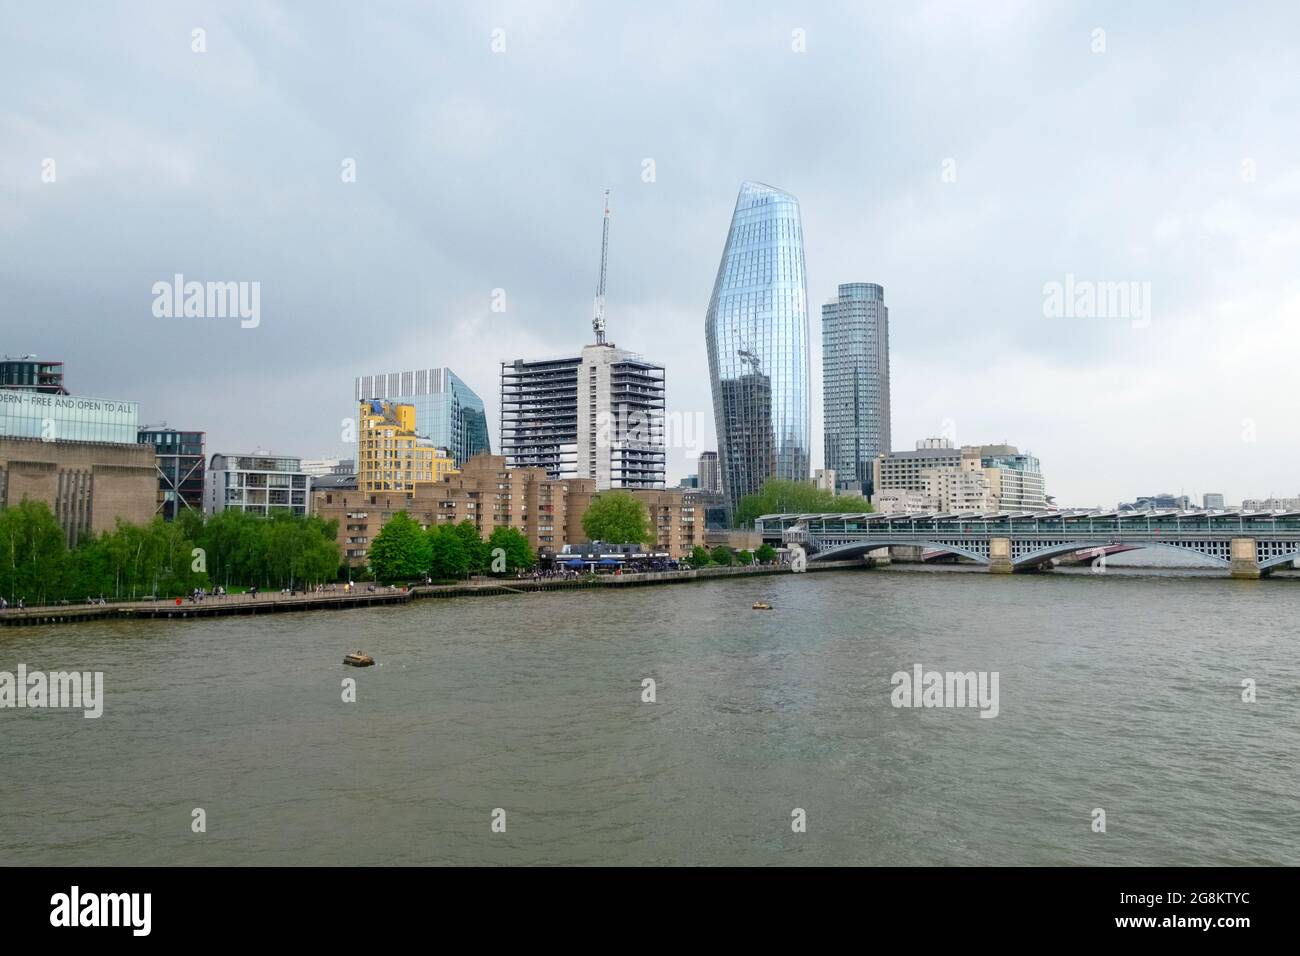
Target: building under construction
{"type": "Point", "coordinates": [598, 415]}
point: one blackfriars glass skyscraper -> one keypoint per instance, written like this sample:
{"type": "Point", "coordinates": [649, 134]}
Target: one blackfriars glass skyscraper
{"type": "Point", "coordinates": [855, 383]}
{"type": "Point", "coordinates": [757, 336]}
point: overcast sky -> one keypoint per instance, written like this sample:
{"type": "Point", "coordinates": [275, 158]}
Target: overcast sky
{"type": "Point", "coordinates": [962, 155]}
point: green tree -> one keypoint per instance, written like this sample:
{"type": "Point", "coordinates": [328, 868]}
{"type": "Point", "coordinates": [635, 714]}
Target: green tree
{"type": "Point", "coordinates": [400, 550]}
{"type": "Point", "coordinates": [447, 557]}
{"type": "Point", "coordinates": [744, 557]}
{"type": "Point", "coordinates": [765, 553]}
{"type": "Point", "coordinates": [279, 550]}
{"type": "Point", "coordinates": [190, 522]}
{"type": "Point", "coordinates": [132, 561]}
{"type": "Point", "coordinates": [722, 555]}
{"type": "Point", "coordinates": [304, 550]}
{"type": "Point", "coordinates": [171, 559]}
{"type": "Point", "coordinates": [618, 518]}
{"type": "Point", "coordinates": [90, 574]}
{"type": "Point", "coordinates": [780, 496]}
{"type": "Point", "coordinates": [33, 553]}
{"type": "Point", "coordinates": [476, 549]}
{"type": "Point", "coordinates": [515, 545]}
{"type": "Point", "coordinates": [157, 558]}
{"type": "Point", "coordinates": [321, 550]}
{"type": "Point", "coordinates": [231, 540]}
{"type": "Point", "coordinates": [700, 557]}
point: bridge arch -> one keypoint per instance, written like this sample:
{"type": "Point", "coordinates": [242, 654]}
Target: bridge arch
{"type": "Point", "coordinates": [1278, 559]}
{"type": "Point", "coordinates": [1064, 548]}
{"type": "Point", "coordinates": [858, 548]}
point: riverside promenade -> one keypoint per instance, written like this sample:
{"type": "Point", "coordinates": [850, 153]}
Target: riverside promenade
{"type": "Point", "coordinates": [360, 596]}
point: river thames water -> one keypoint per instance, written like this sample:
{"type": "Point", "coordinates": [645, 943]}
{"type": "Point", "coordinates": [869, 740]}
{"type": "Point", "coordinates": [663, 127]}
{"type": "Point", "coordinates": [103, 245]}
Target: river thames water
{"type": "Point", "coordinates": [1120, 691]}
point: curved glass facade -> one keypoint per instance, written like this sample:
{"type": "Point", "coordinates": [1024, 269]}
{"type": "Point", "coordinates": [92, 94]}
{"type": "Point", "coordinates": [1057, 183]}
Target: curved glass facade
{"type": "Point", "coordinates": [757, 335]}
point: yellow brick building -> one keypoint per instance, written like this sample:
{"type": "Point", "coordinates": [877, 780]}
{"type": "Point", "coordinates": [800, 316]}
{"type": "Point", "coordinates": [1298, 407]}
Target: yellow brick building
{"type": "Point", "coordinates": [390, 455]}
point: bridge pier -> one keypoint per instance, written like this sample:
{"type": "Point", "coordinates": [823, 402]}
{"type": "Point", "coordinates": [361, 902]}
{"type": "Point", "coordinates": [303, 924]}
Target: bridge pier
{"type": "Point", "coordinates": [1000, 556]}
{"type": "Point", "coordinates": [1245, 563]}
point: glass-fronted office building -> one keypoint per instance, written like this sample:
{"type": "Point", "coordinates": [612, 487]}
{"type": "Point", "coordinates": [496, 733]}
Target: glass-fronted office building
{"type": "Point", "coordinates": [756, 331]}
{"type": "Point", "coordinates": [50, 417]}
{"type": "Point", "coordinates": [855, 383]}
{"type": "Point", "coordinates": [447, 411]}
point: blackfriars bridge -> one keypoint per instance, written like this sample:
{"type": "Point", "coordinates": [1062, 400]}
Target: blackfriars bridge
{"type": "Point", "coordinates": [1248, 543]}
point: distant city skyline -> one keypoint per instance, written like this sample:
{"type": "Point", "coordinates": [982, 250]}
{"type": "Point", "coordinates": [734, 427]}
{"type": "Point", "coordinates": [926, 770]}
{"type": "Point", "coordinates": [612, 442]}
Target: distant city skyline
{"type": "Point", "coordinates": [381, 214]}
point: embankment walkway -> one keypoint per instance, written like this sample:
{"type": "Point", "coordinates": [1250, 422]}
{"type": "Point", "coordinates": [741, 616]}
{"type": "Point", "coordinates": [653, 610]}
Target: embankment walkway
{"type": "Point", "coordinates": [359, 596]}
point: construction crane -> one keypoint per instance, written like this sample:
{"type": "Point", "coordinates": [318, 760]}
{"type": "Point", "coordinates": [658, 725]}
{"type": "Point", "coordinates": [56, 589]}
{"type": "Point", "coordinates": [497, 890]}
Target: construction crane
{"type": "Point", "coordinates": [598, 319]}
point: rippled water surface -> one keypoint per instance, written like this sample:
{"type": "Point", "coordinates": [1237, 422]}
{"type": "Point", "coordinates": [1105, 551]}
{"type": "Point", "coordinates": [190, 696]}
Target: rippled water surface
{"type": "Point", "coordinates": [1120, 691]}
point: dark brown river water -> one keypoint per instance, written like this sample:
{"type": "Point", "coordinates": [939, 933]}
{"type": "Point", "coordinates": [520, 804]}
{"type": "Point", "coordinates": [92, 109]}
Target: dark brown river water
{"type": "Point", "coordinates": [1119, 691]}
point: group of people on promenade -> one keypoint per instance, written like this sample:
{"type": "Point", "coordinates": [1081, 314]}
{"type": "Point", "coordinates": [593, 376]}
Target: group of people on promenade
{"type": "Point", "coordinates": [199, 595]}
{"type": "Point", "coordinates": [557, 574]}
